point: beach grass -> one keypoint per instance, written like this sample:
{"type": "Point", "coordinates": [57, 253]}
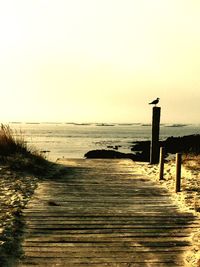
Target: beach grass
{"type": "Point", "coordinates": [18, 155]}
{"type": "Point", "coordinates": [21, 168]}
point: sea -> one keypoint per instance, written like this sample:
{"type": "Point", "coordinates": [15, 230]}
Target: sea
{"type": "Point", "coordinates": [73, 140]}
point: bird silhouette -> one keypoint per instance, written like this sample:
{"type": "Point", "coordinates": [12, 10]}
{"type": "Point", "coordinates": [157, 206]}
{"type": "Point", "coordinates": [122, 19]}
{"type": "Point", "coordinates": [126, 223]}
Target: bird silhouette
{"type": "Point", "coordinates": [154, 102]}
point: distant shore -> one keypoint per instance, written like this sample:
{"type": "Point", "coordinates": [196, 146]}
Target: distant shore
{"type": "Point", "coordinates": [74, 139]}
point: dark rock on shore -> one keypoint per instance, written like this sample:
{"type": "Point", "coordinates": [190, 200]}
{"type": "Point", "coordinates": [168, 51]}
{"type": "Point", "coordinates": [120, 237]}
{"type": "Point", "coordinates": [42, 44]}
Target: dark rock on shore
{"type": "Point", "coordinates": [184, 144]}
{"type": "Point", "coordinates": [111, 154]}
{"type": "Point", "coordinates": [142, 146]}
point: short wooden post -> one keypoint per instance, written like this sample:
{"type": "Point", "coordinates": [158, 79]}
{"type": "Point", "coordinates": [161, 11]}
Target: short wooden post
{"type": "Point", "coordinates": [154, 156]}
{"type": "Point", "coordinates": [162, 157]}
{"type": "Point", "coordinates": [178, 173]}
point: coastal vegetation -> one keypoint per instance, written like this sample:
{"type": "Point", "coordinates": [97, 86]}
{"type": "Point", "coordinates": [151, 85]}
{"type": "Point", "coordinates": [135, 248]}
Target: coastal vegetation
{"type": "Point", "coordinates": [18, 155]}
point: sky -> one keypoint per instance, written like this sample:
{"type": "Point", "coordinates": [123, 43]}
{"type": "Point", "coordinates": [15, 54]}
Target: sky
{"type": "Point", "coordinates": [99, 60]}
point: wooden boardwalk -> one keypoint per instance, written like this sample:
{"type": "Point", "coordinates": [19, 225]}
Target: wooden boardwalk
{"type": "Point", "coordinates": [104, 213]}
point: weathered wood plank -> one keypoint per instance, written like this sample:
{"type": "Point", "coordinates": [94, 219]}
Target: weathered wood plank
{"type": "Point", "coordinates": [118, 218]}
{"type": "Point", "coordinates": [113, 264]}
{"type": "Point", "coordinates": [91, 260]}
{"type": "Point", "coordinates": [95, 248]}
{"type": "Point", "coordinates": [104, 238]}
{"type": "Point", "coordinates": [54, 215]}
{"type": "Point", "coordinates": [63, 264]}
{"type": "Point", "coordinates": [101, 255]}
{"type": "Point", "coordinates": [108, 213]}
{"type": "Point", "coordinates": [110, 231]}
{"type": "Point", "coordinates": [100, 265]}
{"type": "Point", "coordinates": [131, 244]}
{"type": "Point", "coordinates": [64, 226]}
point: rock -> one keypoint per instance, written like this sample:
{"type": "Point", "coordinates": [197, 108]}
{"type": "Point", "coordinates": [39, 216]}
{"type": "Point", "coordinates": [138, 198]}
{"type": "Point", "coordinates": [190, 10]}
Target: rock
{"type": "Point", "coordinates": [184, 144]}
{"type": "Point", "coordinates": [112, 154]}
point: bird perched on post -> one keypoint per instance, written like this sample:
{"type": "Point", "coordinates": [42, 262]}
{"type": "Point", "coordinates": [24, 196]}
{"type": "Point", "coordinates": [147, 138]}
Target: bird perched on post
{"type": "Point", "coordinates": [155, 102]}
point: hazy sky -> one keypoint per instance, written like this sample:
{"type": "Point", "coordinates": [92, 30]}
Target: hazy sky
{"type": "Point", "coordinates": [99, 60]}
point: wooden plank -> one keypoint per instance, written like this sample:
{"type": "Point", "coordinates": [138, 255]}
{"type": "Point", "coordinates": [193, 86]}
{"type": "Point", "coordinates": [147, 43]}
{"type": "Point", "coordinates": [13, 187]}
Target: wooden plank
{"type": "Point", "coordinates": [64, 226]}
{"type": "Point", "coordinates": [108, 213]}
{"type": "Point", "coordinates": [138, 216]}
{"type": "Point", "coordinates": [131, 244]}
{"type": "Point", "coordinates": [99, 200]}
{"type": "Point", "coordinates": [95, 248]}
{"type": "Point", "coordinates": [111, 232]}
{"type": "Point", "coordinates": [90, 260]}
{"type": "Point", "coordinates": [64, 264]}
{"type": "Point", "coordinates": [102, 255]}
{"type": "Point", "coordinates": [123, 219]}
{"type": "Point", "coordinates": [93, 238]}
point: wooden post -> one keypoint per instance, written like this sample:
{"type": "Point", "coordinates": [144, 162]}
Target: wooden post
{"type": "Point", "coordinates": [154, 156]}
{"type": "Point", "coordinates": [162, 157]}
{"type": "Point", "coordinates": [178, 173]}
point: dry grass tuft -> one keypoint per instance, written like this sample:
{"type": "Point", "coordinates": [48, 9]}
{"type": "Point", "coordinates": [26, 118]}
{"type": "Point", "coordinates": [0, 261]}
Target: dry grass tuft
{"type": "Point", "coordinates": [15, 152]}
{"type": "Point", "coordinates": [11, 142]}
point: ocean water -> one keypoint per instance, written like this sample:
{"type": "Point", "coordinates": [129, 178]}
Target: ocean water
{"type": "Point", "coordinates": [72, 140]}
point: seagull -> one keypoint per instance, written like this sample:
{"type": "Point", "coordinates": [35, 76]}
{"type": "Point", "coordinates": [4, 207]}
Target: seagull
{"type": "Point", "coordinates": [155, 102]}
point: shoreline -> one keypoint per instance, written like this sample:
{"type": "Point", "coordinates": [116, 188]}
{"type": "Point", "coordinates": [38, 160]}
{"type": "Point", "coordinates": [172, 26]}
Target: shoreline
{"type": "Point", "coordinates": [74, 141]}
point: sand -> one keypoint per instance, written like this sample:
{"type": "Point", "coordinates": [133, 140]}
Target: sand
{"type": "Point", "coordinates": [187, 199]}
{"type": "Point", "coordinates": [15, 191]}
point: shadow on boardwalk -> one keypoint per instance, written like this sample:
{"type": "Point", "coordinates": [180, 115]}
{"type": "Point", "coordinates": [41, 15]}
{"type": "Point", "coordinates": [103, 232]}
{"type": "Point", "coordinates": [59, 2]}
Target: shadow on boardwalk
{"type": "Point", "coordinates": [103, 213]}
